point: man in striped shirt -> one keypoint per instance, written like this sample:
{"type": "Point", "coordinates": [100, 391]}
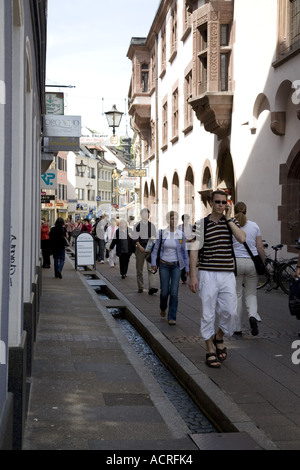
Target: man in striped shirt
{"type": "Point", "coordinates": [215, 281]}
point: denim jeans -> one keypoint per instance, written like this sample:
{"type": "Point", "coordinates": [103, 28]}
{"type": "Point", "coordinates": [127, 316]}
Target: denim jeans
{"type": "Point", "coordinates": [59, 260]}
{"type": "Point", "coordinates": [101, 249]}
{"type": "Point", "coordinates": [169, 284]}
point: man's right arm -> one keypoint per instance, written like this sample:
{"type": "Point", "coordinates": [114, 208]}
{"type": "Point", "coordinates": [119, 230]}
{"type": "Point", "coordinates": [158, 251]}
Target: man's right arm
{"type": "Point", "coordinates": [193, 285]}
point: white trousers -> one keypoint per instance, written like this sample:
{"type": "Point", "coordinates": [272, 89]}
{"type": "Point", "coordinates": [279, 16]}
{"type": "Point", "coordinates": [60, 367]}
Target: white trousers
{"type": "Point", "coordinates": [217, 291]}
{"type": "Point", "coordinates": [113, 257]}
{"type": "Point", "coordinates": [246, 283]}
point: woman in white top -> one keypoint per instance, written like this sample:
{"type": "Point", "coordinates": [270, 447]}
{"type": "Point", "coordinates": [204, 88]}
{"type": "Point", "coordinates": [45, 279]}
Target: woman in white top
{"type": "Point", "coordinates": [246, 279]}
{"type": "Point", "coordinates": [170, 245]}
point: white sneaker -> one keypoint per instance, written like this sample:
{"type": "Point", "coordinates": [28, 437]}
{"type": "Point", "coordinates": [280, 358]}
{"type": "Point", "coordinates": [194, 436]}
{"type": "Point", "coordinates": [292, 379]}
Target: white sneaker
{"type": "Point", "coordinates": [172, 322]}
{"type": "Point", "coordinates": [101, 262]}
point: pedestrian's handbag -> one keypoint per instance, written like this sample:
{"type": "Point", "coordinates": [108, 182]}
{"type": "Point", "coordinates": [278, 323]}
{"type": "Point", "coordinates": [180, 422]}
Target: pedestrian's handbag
{"type": "Point", "coordinates": [149, 249]}
{"type": "Point", "coordinates": [149, 253]}
{"type": "Point", "coordinates": [258, 262]}
{"type": "Point", "coordinates": [76, 232]}
{"type": "Point", "coordinates": [294, 298]}
{"type": "Point", "coordinates": [158, 252]}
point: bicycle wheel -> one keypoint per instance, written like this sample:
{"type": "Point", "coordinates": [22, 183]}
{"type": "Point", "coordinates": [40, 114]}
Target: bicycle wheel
{"type": "Point", "coordinates": [264, 279]}
{"type": "Point", "coordinates": [285, 274]}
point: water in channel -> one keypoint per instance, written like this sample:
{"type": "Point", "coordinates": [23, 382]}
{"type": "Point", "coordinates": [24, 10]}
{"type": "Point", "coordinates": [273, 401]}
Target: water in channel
{"type": "Point", "coordinates": [195, 420]}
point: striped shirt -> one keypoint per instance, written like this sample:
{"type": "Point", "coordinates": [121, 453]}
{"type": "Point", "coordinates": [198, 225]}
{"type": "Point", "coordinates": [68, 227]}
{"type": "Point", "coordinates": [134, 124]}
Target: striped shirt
{"type": "Point", "coordinates": [217, 252]}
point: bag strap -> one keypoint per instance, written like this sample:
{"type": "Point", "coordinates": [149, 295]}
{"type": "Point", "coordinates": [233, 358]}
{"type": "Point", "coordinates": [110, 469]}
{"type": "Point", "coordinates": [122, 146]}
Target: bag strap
{"type": "Point", "coordinates": [249, 251]}
{"type": "Point", "coordinates": [232, 249]}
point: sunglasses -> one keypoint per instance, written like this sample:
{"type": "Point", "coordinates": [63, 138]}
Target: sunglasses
{"type": "Point", "coordinates": [220, 202]}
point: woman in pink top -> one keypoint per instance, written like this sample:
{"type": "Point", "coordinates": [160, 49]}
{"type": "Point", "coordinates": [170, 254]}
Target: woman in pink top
{"type": "Point", "coordinates": [45, 244]}
{"type": "Point", "coordinates": [86, 226]}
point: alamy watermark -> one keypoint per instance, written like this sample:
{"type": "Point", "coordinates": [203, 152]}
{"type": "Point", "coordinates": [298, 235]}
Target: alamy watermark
{"type": "Point", "coordinates": [296, 354]}
{"type": "Point", "coordinates": [296, 94]}
{"type": "Point", "coordinates": [2, 92]}
{"type": "Point", "coordinates": [2, 353]}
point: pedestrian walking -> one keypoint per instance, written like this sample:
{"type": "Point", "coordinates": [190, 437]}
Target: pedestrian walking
{"type": "Point", "coordinates": [125, 246]}
{"type": "Point", "coordinates": [45, 244]}
{"type": "Point", "coordinates": [86, 226]}
{"type": "Point", "coordinates": [171, 247]}
{"type": "Point", "coordinates": [100, 228]}
{"type": "Point", "coordinates": [58, 244]}
{"type": "Point", "coordinates": [70, 225]}
{"type": "Point", "coordinates": [215, 279]}
{"type": "Point", "coordinates": [109, 236]}
{"type": "Point", "coordinates": [144, 231]}
{"type": "Point", "coordinates": [187, 228]}
{"type": "Point", "coordinates": [246, 278]}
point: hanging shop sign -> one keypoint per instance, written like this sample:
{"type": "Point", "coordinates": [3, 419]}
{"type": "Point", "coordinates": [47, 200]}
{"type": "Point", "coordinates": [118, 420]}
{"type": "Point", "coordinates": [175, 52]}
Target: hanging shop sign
{"type": "Point", "coordinates": [61, 144]}
{"type": "Point", "coordinates": [49, 180]}
{"type": "Point", "coordinates": [46, 198]}
{"type": "Point", "coordinates": [137, 173]}
{"type": "Point", "coordinates": [62, 126]}
{"type": "Point", "coordinates": [54, 103]}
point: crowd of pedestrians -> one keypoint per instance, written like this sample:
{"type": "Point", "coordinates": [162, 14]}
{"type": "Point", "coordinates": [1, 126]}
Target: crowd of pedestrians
{"type": "Point", "coordinates": [210, 253]}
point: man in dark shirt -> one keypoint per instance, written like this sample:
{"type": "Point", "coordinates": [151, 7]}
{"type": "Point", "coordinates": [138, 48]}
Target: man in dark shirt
{"type": "Point", "coordinates": [142, 232]}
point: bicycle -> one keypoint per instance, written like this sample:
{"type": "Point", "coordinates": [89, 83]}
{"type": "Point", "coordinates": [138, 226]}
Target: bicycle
{"type": "Point", "coordinates": [278, 273]}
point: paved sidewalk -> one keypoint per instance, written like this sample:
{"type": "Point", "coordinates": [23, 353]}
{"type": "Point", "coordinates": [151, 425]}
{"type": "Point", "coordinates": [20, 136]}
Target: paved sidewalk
{"type": "Point", "coordinates": [259, 380]}
{"type": "Point", "coordinates": [91, 391]}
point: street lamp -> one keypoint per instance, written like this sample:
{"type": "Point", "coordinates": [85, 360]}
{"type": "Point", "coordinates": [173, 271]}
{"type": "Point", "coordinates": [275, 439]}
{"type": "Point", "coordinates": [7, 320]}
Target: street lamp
{"type": "Point", "coordinates": [114, 118]}
{"type": "Point", "coordinates": [81, 167]}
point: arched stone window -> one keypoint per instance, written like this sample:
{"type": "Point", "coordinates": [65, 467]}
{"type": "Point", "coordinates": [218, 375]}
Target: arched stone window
{"type": "Point", "coordinates": [175, 192]}
{"type": "Point", "coordinates": [152, 195]}
{"type": "Point", "coordinates": [189, 193]}
{"type": "Point", "coordinates": [165, 195]}
{"type": "Point", "coordinates": [289, 211]}
{"type": "Point", "coordinates": [225, 173]}
{"type": "Point", "coordinates": [146, 195]}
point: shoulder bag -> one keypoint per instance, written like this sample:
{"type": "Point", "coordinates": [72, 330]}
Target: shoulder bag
{"type": "Point", "coordinates": [149, 253]}
{"type": "Point", "coordinates": [258, 262]}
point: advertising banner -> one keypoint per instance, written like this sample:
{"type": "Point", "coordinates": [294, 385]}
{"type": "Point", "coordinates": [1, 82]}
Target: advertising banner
{"type": "Point", "coordinates": [62, 126]}
{"type": "Point", "coordinates": [55, 103]}
{"type": "Point", "coordinates": [85, 250]}
{"type": "Point", "coordinates": [49, 180]}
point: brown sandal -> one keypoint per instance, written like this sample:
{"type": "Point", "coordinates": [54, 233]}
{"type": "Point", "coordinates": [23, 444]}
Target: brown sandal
{"type": "Point", "coordinates": [213, 363]}
{"type": "Point", "coordinates": [218, 350]}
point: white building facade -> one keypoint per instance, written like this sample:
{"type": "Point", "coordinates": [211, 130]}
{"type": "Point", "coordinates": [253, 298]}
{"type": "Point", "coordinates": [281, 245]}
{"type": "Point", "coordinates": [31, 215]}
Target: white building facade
{"type": "Point", "coordinates": [213, 98]}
